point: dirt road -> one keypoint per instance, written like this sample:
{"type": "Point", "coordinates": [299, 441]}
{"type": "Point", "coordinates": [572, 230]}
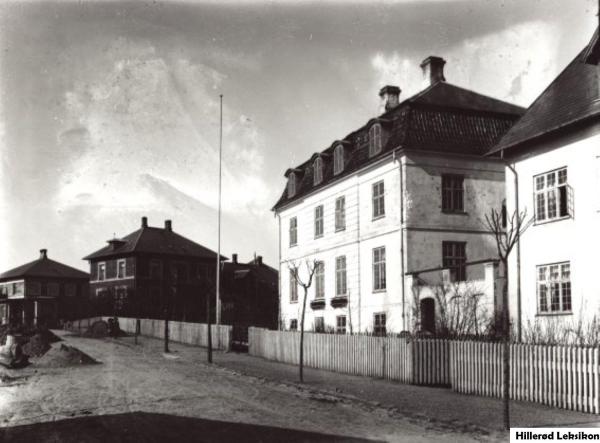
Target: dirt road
{"type": "Point", "coordinates": [139, 394]}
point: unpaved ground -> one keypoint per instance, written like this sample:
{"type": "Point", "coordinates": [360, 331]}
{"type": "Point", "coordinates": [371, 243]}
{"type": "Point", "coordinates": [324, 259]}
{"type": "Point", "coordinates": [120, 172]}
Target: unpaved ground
{"type": "Point", "coordinates": [142, 395]}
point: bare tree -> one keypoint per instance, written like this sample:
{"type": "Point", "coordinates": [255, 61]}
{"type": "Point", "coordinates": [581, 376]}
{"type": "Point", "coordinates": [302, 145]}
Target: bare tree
{"type": "Point", "coordinates": [311, 268]}
{"type": "Point", "coordinates": [507, 232]}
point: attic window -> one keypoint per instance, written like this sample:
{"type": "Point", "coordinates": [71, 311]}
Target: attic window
{"type": "Point", "coordinates": [338, 159]}
{"type": "Point", "coordinates": [318, 171]}
{"type": "Point", "coordinates": [374, 139]}
{"type": "Point", "coordinates": [291, 190]}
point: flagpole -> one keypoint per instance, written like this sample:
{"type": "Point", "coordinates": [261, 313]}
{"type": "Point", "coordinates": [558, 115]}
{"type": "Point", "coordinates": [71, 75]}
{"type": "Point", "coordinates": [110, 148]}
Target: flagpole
{"type": "Point", "coordinates": [218, 304]}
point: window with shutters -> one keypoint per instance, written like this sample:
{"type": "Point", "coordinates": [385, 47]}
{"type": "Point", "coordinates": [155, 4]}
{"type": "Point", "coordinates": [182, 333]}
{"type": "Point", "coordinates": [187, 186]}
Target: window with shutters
{"type": "Point", "coordinates": [554, 288]}
{"type": "Point", "coordinates": [320, 280]}
{"type": "Point", "coordinates": [378, 203]}
{"type": "Point", "coordinates": [553, 196]}
{"type": "Point", "coordinates": [454, 258]}
{"type": "Point", "coordinates": [340, 213]}
{"type": "Point", "coordinates": [452, 193]}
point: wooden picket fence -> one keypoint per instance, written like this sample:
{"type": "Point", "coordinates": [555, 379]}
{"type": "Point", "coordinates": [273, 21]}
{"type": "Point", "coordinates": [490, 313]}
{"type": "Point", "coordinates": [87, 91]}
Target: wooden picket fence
{"type": "Point", "coordinates": [561, 376]}
{"type": "Point", "coordinates": [392, 358]}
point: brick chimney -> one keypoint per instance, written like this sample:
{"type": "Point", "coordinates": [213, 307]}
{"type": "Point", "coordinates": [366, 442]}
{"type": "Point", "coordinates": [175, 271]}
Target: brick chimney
{"type": "Point", "coordinates": [43, 254]}
{"type": "Point", "coordinates": [144, 222]}
{"type": "Point", "coordinates": [168, 225]}
{"type": "Point", "coordinates": [433, 70]}
{"type": "Point", "coordinates": [234, 258]}
{"type": "Point", "coordinates": [258, 260]}
{"type": "Point", "coordinates": [390, 97]}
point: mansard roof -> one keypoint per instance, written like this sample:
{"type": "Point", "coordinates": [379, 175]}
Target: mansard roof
{"type": "Point", "coordinates": [442, 118]}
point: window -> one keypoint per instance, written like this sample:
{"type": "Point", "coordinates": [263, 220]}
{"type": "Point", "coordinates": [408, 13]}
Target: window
{"type": "Point", "coordinates": [340, 276]}
{"type": "Point", "coordinates": [70, 289]}
{"type": "Point", "coordinates": [34, 289]}
{"type": "Point", "coordinates": [375, 140]}
{"type": "Point", "coordinates": [340, 324]}
{"type": "Point", "coordinates": [554, 288]}
{"type": "Point", "coordinates": [293, 288]}
{"type": "Point", "coordinates": [338, 159]}
{"type": "Point", "coordinates": [454, 258]}
{"type": "Point", "coordinates": [155, 269]}
{"type": "Point", "coordinates": [291, 190]}
{"type": "Point", "coordinates": [52, 289]}
{"type": "Point", "coordinates": [340, 213]}
{"type": "Point", "coordinates": [379, 321]}
{"type": "Point", "coordinates": [320, 280]}
{"type": "Point", "coordinates": [120, 299]}
{"type": "Point", "coordinates": [319, 324]}
{"type": "Point", "coordinates": [319, 221]}
{"type": "Point", "coordinates": [318, 171]}
{"type": "Point", "coordinates": [293, 324]}
{"type": "Point", "coordinates": [378, 200]}
{"type": "Point", "coordinates": [120, 268]}
{"type": "Point", "coordinates": [293, 231]}
{"type": "Point", "coordinates": [452, 193]}
{"type": "Point", "coordinates": [552, 195]}
{"type": "Point", "coordinates": [379, 269]}
{"type": "Point", "coordinates": [101, 271]}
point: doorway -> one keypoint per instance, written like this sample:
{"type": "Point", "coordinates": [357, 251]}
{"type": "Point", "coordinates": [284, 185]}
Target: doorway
{"type": "Point", "coordinates": [428, 315]}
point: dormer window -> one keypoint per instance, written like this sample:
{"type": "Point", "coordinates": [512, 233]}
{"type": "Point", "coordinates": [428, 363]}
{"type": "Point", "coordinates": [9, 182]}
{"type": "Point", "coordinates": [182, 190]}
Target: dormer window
{"type": "Point", "coordinates": [318, 171]}
{"type": "Point", "coordinates": [374, 139]}
{"type": "Point", "coordinates": [291, 187]}
{"type": "Point", "coordinates": [338, 159]}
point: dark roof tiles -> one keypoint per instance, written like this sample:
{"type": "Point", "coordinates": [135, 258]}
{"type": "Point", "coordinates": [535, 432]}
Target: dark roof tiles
{"type": "Point", "coordinates": [46, 268]}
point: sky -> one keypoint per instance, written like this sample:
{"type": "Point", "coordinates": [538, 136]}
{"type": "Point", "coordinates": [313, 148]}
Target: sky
{"type": "Point", "coordinates": [109, 111]}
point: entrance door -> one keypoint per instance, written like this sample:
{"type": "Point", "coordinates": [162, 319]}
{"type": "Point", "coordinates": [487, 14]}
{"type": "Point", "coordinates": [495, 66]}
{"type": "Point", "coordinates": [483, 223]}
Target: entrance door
{"type": "Point", "coordinates": [428, 315]}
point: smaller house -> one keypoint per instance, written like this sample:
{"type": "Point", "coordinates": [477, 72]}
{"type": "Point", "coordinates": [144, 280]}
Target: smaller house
{"type": "Point", "coordinates": [249, 295]}
{"type": "Point", "coordinates": [43, 292]}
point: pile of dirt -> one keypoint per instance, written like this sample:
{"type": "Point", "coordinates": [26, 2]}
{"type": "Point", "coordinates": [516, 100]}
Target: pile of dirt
{"type": "Point", "coordinates": [64, 355]}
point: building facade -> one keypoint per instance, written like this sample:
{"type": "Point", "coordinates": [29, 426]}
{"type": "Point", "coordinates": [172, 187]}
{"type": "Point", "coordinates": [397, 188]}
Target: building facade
{"type": "Point", "coordinates": [151, 273]}
{"type": "Point", "coordinates": [406, 192]}
{"type": "Point", "coordinates": [554, 151]}
{"type": "Point", "coordinates": [43, 292]}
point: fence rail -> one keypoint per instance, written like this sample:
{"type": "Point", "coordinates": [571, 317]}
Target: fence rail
{"type": "Point", "coordinates": [561, 376]}
{"type": "Point", "coordinates": [182, 332]}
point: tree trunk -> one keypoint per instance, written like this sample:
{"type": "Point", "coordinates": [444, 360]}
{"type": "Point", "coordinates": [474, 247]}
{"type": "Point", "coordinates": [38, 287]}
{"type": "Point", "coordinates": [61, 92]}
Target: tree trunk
{"type": "Point", "coordinates": [301, 367]}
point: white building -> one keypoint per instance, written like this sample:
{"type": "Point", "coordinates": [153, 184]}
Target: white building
{"type": "Point", "coordinates": [555, 151]}
{"type": "Point", "coordinates": [406, 192]}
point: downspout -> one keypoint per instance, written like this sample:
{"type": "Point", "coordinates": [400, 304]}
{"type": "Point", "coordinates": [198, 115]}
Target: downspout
{"type": "Point", "coordinates": [358, 254]}
{"type": "Point", "coordinates": [279, 325]}
{"type": "Point", "coordinates": [402, 230]}
{"type": "Point", "coordinates": [516, 185]}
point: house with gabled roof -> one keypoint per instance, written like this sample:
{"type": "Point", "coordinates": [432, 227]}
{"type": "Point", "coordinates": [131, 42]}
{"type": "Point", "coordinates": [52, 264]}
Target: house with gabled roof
{"type": "Point", "coordinates": [153, 272]}
{"type": "Point", "coordinates": [405, 192]}
{"type": "Point", "coordinates": [554, 150]}
{"type": "Point", "coordinates": [43, 292]}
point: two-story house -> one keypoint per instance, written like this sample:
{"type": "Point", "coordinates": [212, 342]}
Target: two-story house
{"type": "Point", "coordinates": [153, 271]}
{"type": "Point", "coordinates": [43, 292]}
{"type": "Point", "coordinates": [554, 150]}
{"type": "Point", "coordinates": [407, 191]}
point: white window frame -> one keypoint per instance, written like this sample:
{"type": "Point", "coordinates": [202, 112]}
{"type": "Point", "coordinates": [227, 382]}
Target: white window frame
{"type": "Point", "coordinates": [552, 197]}
{"type": "Point", "coordinates": [123, 262]}
{"type": "Point", "coordinates": [379, 265]}
{"type": "Point", "coordinates": [320, 320]}
{"type": "Point", "coordinates": [101, 271]}
{"type": "Point", "coordinates": [380, 327]}
{"type": "Point", "coordinates": [339, 327]}
{"type": "Point", "coordinates": [293, 231]}
{"type": "Point", "coordinates": [453, 193]}
{"type": "Point", "coordinates": [319, 280]}
{"type": "Point", "coordinates": [293, 324]}
{"type": "Point", "coordinates": [317, 171]}
{"type": "Point", "coordinates": [341, 276]}
{"type": "Point", "coordinates": [338, 160]}
{"type": "Point", "coordinates": [340, 213]}
{"type": "Point", "coordinates": [554, 288]}
{"type": "Point", "coordinates": [375, 144]}
{"type": "Point", "coordinates": [293, 288]}
{"type": "Point", "coordinates": [378, 199]}
{"type": "Point", "coordinates": [319, 222]}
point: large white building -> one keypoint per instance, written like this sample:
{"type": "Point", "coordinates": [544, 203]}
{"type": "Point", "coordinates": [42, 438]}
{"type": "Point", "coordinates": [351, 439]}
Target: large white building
{"type": "Point", "coordinates": [555, 151]}
{"type": "Point", "coordinates": [405, 193]}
